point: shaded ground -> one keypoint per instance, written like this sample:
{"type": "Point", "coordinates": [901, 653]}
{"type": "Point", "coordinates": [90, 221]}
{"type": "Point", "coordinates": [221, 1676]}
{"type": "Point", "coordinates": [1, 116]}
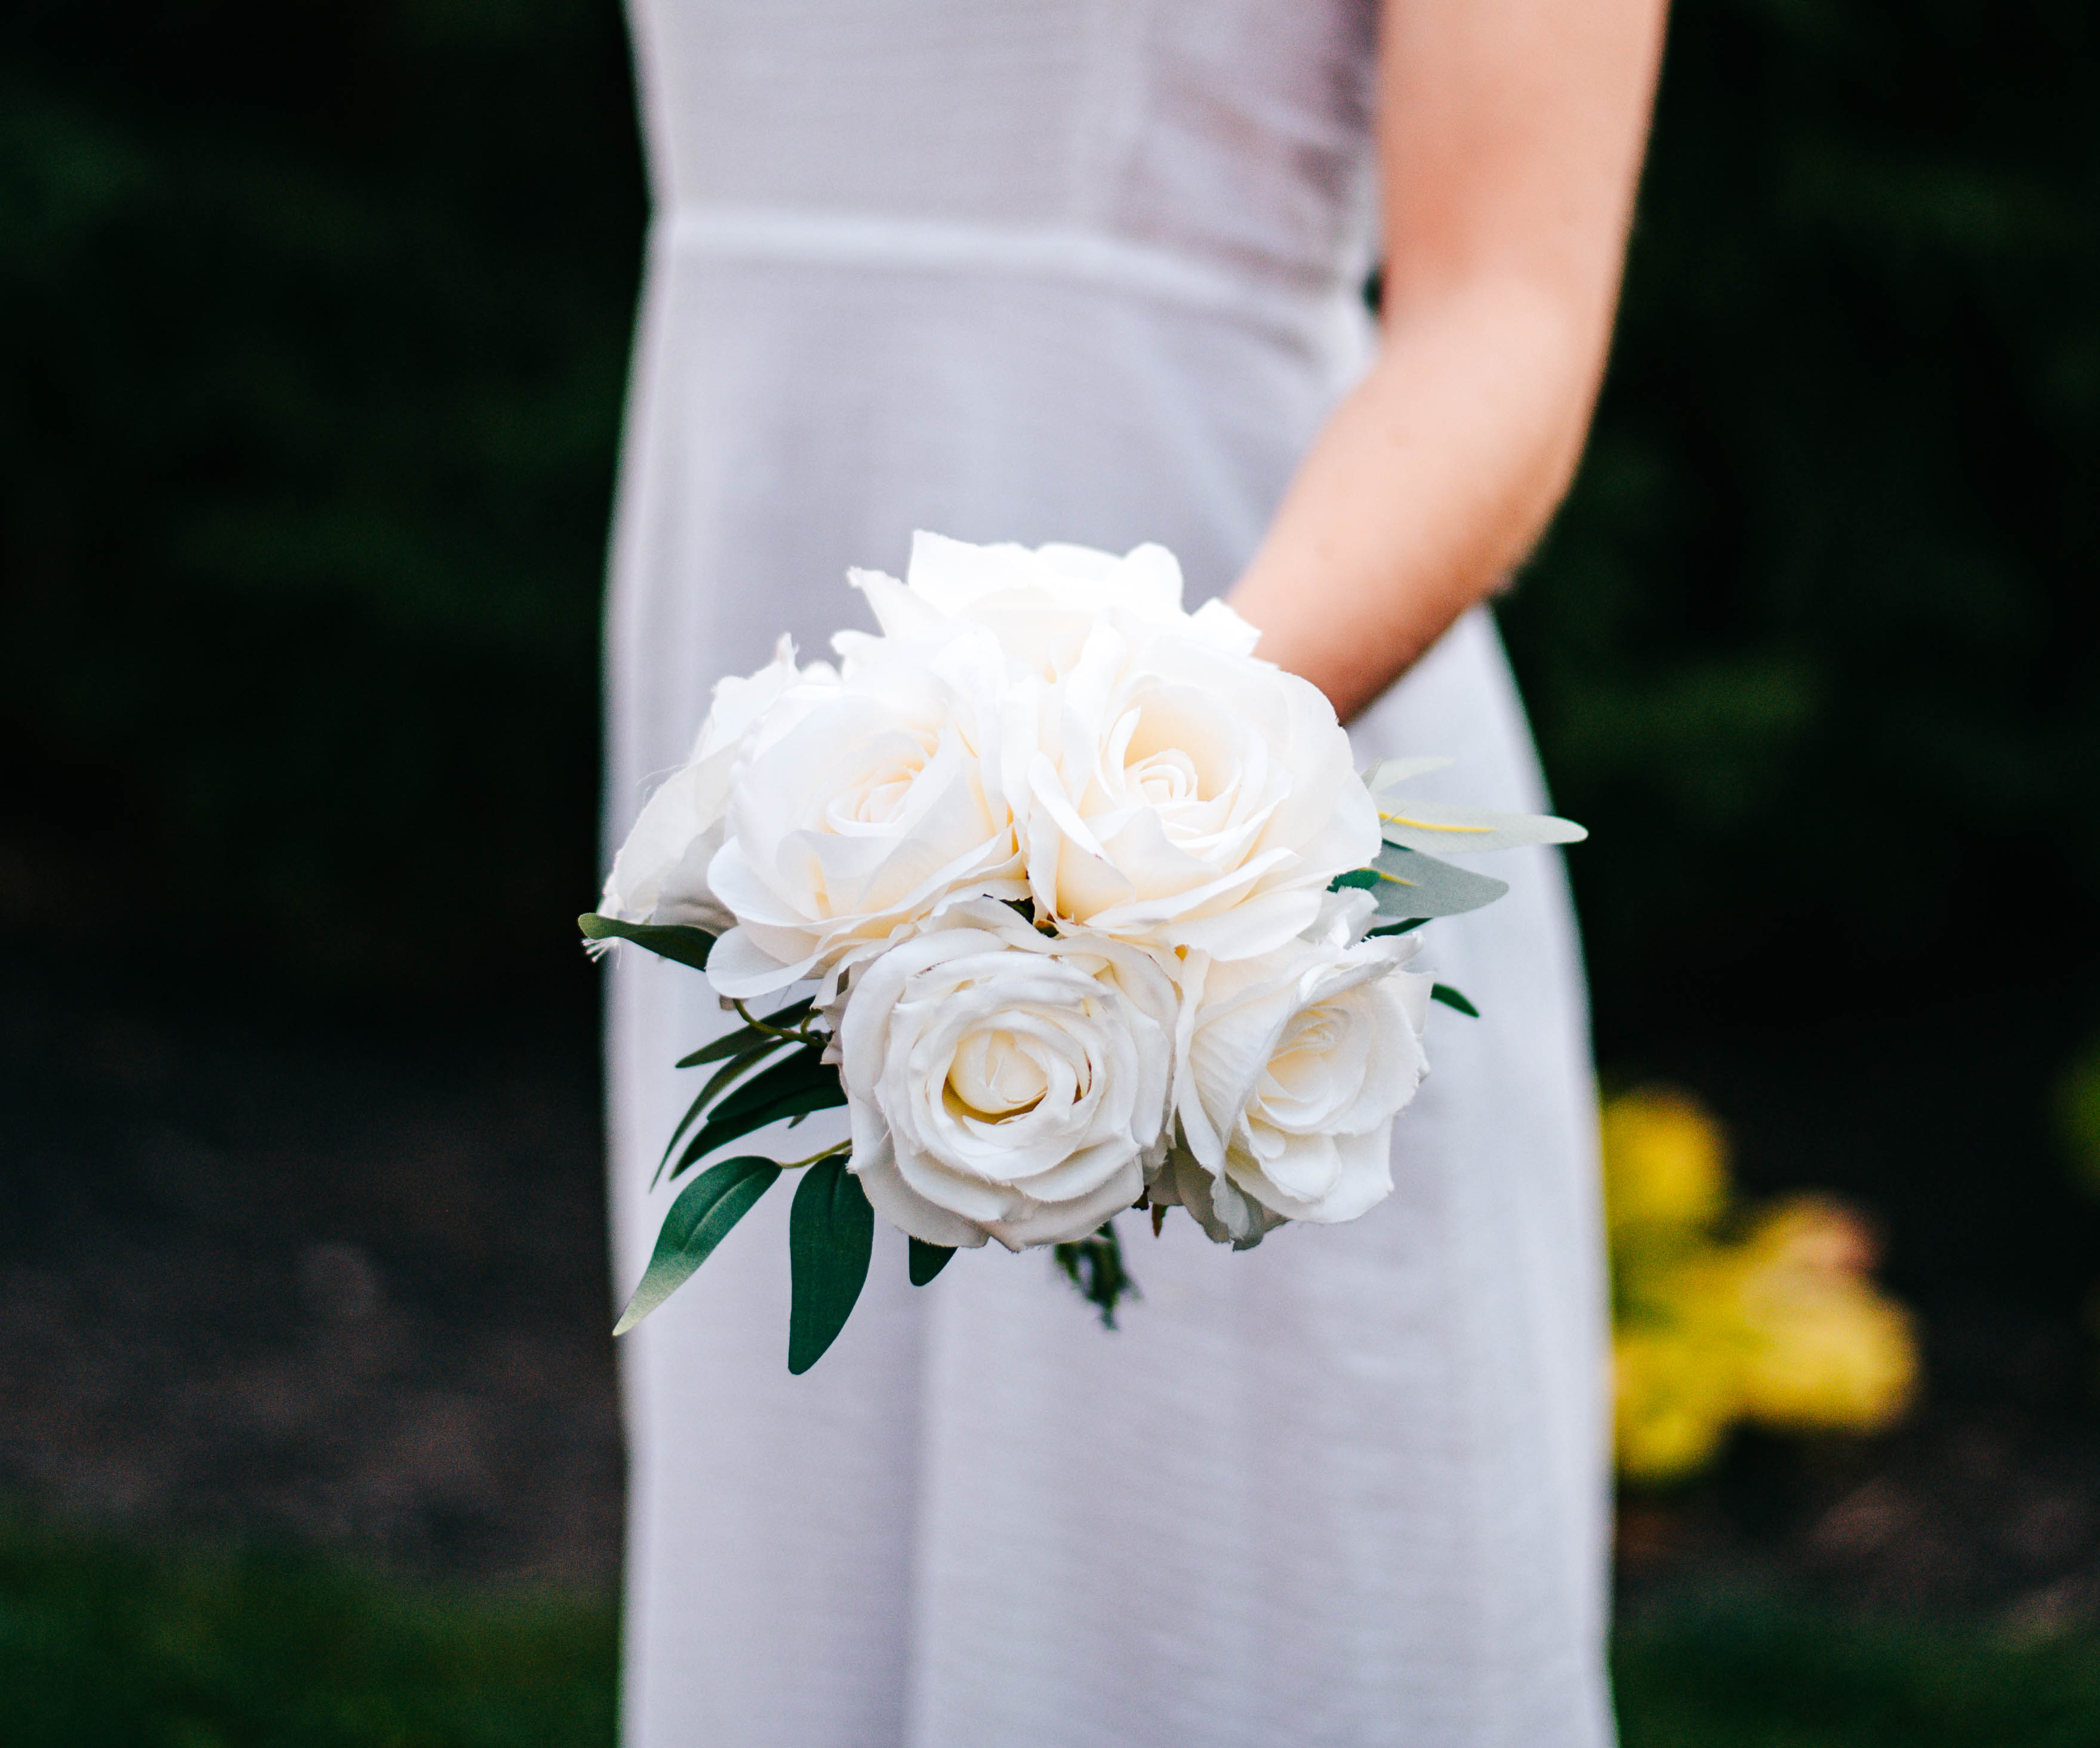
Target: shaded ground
{"type": "Point", "coordinates": [257, 1289]}
{"type": "Point", "coordinates": [276, 1289]}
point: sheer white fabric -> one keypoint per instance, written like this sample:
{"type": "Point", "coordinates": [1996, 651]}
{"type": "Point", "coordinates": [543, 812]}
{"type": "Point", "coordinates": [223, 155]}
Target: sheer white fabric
{"type": "Point", "coordinates": [1079, 270]}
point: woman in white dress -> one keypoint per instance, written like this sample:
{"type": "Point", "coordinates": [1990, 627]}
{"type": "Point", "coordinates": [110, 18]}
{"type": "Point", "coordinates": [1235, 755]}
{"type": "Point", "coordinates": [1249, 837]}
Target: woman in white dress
{"type": "Point", "coordinates": [1090, 271]}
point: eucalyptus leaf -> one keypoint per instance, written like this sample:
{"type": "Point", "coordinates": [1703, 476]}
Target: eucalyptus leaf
{"type": "Point", "coordinates": [1411, 885]}
{"type": "Point", "coordinates": [1445, 831]}
{"type": "Point", "coordinates": [696, 1223]}
{"type": "Point", "coordinates": [688, 945]}
{"type": "Point", "coordinates": [1451, 998]}
{"type": "Point", "coordinates": [1388, 772]}
{"type": "Point", "coordinates": [830, 1231]}
{"type": "Point", "coordinates": [928, 1260]}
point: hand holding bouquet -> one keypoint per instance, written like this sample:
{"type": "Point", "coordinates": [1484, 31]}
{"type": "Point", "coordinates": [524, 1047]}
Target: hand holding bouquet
{"type": "Point", "coordinates": [1084, 907]}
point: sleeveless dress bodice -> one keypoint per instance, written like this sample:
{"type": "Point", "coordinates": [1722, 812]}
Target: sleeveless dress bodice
{"type": "Point", "coordinates": [1230, 138]}
{"type": "Point", "coordinates": [1086, 270]}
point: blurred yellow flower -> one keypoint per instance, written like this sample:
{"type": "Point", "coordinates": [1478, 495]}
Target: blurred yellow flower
{"type": "Point", "coordinates": [1781, 1326]}
{"type": "Point", "coordinates": [1666, 1162]}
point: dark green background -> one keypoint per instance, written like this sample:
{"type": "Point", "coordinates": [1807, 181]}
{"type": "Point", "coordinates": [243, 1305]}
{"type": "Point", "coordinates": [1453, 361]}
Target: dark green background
{"type": "Point", "coordinates": [316, 323]}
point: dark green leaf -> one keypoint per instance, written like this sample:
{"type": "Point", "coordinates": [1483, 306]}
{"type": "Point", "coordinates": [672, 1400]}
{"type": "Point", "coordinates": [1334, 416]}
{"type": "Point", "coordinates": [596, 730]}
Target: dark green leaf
{"type": "Point", "coordinates": [1398, 927]}
{"type": "Point", "coordinates": [805, 1066]}
{"type": "Point", "coordinates": [1451, 998]}
{"type": "Point", "coordinates": [928, 1260]}
{"type": "Point", "coordinates": [1364, 879]}
{"type": "Point", "coordinates": [756, 1050]}
{"type": "Point", "coordinates": [1411, 884]}
{"type": "Point", "coordinates": [831, 1230]}
{"type": "Point", "coordinates": [1095, 1266]}
{"type": "Point", "coordinates": [680, 941]}
{"type": "Point", "coordinates": [697, 1222]}
{"type": "Point", "coordinates": [729, 1042]}
{"type": "Point", "coordinates": [719, 1130]}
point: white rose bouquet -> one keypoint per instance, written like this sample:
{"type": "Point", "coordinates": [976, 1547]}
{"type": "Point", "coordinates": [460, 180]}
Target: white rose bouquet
{"type": "Point", "coordinates": [1083, 907]}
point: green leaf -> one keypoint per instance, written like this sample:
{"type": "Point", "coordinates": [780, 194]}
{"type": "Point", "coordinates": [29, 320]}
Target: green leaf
{"type": "Point", "coordinates": [1411, 885]}
{"type": "Point", "coordinates": [728, 1044]}
{"type": "Point", "coordinates": [1095, 1266]}
{"type": "Point", "coordinates": [1398, 927]}
{"type": "Point", "coordinates": [928, 1260]}
{"type": "Point", "coordinates": [811, 1086]}
{"type": "Point", "coordinates": [755, 1052]}
{"type": "Point", "coordinates": [684, 943]}
{"type": "Point", "coordinates": [804, 1067]}
{"type": "Point", "coordinates": [1451, 998]}
{"type": "Point", "coordinates": [831, 1230]}
{"type": "Point", "coordinates": [697, 1222]}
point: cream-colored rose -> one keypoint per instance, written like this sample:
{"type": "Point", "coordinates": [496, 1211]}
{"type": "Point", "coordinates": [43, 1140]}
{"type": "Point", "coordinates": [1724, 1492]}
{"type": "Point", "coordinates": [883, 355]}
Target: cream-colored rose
{"type": "Point", "coordinates": [661, 875]}
{"type": "Point", "coordinates": [1289, 1069]}
{"type": "Point", "coordinates": [1187, 796]}
{"type": "Point", "coordinates": [1041, 603]}
{"type": "Point", "coordinates": [1003, 1082]}
{"type": "Point", "coordinates": [868, 805]}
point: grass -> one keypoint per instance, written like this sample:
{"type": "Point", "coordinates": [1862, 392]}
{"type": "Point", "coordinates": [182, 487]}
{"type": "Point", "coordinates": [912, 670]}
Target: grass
{"type": "Point", "coordinates": [103, 1645]}
{"type": "Point", "coordinates": [1757, 1676]}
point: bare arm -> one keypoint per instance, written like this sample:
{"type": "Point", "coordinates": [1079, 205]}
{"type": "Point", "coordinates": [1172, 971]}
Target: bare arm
{"type": "Point", "coordinates": [1511, 143]}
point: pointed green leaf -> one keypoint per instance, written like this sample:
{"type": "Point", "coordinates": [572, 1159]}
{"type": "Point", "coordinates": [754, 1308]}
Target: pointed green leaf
{"type": "Point", "coordinates": [928, 1260]}
{"type": "Point", "coordinates": [1411, 885]}
{"type": "Point", "coordinates": [688, 945]}
{"type": "Point", "coordinates": [730, 1042]}
{"type": "Point", "coordinates": [830, 1231]}
{"type": "Point", "coordinates": [1451, 998]}
{"type": "Point", "coordinates": [805, 1066]}
{"type": "Point", "coordinates": [1402, 927]}
{"type": "Point", "coordinates": [697, 1222]}
{"type": "Point", "coordinates": [719, 1130]}
{"type": "Point", "coordinates": [755, 1052]}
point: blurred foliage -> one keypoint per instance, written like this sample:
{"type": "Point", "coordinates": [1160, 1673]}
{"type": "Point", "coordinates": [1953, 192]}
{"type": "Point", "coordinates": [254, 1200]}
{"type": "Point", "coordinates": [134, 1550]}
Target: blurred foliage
{"type": "Point", "coordinates": [317, 323]}
{"type": "Point", "coordinates": [1814, 647]}
{"type": "Point", "coordinates": [1778, 1325]}
{"type": "Point", "coordinates": [2078, 1116]}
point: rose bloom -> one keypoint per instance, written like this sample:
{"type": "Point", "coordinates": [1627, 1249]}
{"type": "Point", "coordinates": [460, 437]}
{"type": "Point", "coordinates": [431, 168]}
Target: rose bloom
{"type": "Point", "coordinates": [1289, 1069]}
{"type": "Point", "coordinates": [661, 875]}
{"type": "Point", "coordinates": [1188, 795]}
{"type": "Point", "coordinates": [869, 805]}
{"type": "Point", "coordinates": [1003, 1082]}
{"type": "Point", "coordinates": [1041, 603]}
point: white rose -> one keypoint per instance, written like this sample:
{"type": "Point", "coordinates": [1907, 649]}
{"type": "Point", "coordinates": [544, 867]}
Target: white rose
{"type": "Point", "coordinates": [867, 805]}
{"type": "Point", "coordinates": [1185, 795]}
{"type": "Point", "coordinates": [661, 875]}
{"type": "Point", "coordinates": [1042, 603]}
{"type": "Point", "coordinates": [1005, 1083]}
{"type": "Point", "coordinates": [1289, 1069]}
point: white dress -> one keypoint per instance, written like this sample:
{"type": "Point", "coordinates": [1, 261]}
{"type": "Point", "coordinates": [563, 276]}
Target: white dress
{"type": "Point", "coordinates": [1078, 270]}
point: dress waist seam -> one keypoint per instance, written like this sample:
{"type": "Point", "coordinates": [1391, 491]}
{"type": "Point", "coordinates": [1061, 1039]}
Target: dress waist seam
{"type": "Point", "coordinates": [1312, 313]}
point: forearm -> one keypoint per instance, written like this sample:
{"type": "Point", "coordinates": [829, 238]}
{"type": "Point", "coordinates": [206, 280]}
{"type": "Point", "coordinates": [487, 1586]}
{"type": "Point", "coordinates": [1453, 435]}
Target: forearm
{"type": "Point", "coordinates": [1510, 141]}
{"type": "Point", "coordinates": [1432, 481]}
